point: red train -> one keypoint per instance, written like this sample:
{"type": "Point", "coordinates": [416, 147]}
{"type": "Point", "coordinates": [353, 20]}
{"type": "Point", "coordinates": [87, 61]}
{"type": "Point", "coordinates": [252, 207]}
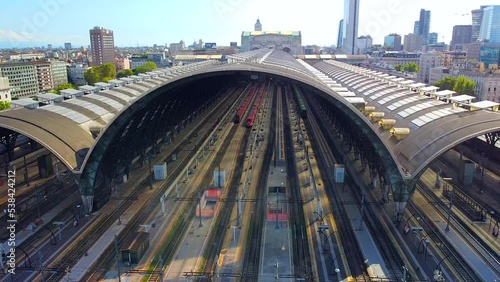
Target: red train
{"type": "Point", "coordinates": [255, 108]}
{"type": "Point", "coordinates": [244, 106]}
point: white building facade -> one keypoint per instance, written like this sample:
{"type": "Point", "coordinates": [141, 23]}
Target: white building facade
{"type": "Point", "coordinates": [426, 62]}
{"type": "Point", "coordinates": [5, 90]}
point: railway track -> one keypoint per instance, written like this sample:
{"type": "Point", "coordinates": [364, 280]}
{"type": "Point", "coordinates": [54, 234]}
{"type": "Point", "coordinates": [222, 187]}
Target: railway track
{"type": "Point", "coordinates": [251, 258]}
{"type": "Point", "coordinates": [78, 248]}
{"type": "Point", "coordinates": [222, 221]}
{"type": "Point", "coordinates": [181, 222]}
{"type": "Point", "coordinates": [476, 203]}
{"type": "Point", "coordinates": [353, 254]}
{"type": "Point", "coordinates": [301, 252]}
{"type": "Point", "coordinates": [448, 251]}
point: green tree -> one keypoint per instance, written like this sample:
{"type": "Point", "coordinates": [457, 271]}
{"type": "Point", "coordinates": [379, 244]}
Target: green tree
{"type": "Point", "coordinates": [464, 85]}
{"type": "Point", "coordinates": [398, 67]}
{"type": "Point", "coordinates": [4, 105]}
{"type": "Point", "coordinates": [62, 87]}
{"type": "Point", "coordinates": [150, 65]}
{"type": "Point", "coordinates": [92, 75]}
{"type": "Point", "coordinates": [108, 72]}
{"type": "Point", "coordinates": [103, 73]}
{"type": "Point", "coordinates": [411, 67]}
{"type": "Point", "coordinates": [140, 69]}
{"type": "Point", "coordinates": [446, 83]}
{"type": "Point", "coordinates": [124, 73]}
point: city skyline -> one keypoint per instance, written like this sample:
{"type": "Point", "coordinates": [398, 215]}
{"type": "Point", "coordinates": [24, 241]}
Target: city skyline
{"type": "Point", "coordinates": [221, 21]}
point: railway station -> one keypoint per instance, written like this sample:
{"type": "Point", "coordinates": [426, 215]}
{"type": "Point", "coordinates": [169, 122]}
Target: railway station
{"type": "Point", "coordinates": [279, 125]}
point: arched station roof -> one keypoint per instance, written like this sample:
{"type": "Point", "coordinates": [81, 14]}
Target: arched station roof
{"type": "Point", "coordinates": [436, 120]}
{"type": "Point", "coordinates": [66, 128]}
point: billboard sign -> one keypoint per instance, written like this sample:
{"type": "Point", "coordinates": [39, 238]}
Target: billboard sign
{"type": "Point", "coordinates": [210, 45]}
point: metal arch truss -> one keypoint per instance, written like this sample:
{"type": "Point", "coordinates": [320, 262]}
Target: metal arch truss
{"type": "Point", "coordinates": [389, 170]}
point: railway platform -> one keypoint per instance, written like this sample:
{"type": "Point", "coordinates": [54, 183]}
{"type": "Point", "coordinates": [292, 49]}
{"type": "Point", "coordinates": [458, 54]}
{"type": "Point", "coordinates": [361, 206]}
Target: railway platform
{"type": "Point", "coordinates": [108, 238]}
{"type": "Point", "coordinates": [374, 262]}
{"type": "Point", "coordinates": [46, 218]}
{"type": "Point", "coordinates": [487, 192]}
{"type": "Point", "coordinates": [276, 251]}
{"type": "Point", "coordinates": [428, 262]}
{"type": "Point", "coordinates": [454, 236]}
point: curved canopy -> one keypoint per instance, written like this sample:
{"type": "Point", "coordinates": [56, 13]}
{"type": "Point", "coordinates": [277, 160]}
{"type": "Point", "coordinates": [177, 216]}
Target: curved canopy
{"type": "Point", "coordinates": [433, 125]}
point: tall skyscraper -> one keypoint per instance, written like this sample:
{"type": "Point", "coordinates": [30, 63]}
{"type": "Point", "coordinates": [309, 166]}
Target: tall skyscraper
{"type": "Point", "coordinates": [258, 26]}
{"type": "Point", "coordinates": [490, 26]}
{"type": "Point", "coordinates": [462, 34]}
{"type": "Point", "coordinates": [416, 26]}
{"type": "Point", "coordinates": [350, 28]}
{"type": "Point", "coordinates": [433, 38]}
{"type": "Point", "coordinates": [477, 19]}
{"type": "Point", "coordinates": [102, 45]}
{"type": "Point", "coordinates": [363, 44]}
{"type": "Point", "coordinates": [67, 46]}
{"type": "Point", "coordinates": [340, 35]}
{"type": "Point", "coordinates": [424, 24]}
{"type": "Point", "coordinates": [393, 41]}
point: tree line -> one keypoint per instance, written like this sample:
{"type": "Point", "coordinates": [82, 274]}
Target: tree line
{"type": "Point", "coordinates": [107, 72]}
{"type": "Point", "coordinates": [461, 84]}
{"type": "Point", "coordinates": [409, 67]}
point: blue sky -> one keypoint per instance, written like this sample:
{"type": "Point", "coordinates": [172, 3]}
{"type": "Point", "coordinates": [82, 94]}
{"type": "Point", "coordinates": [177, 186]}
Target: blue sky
{"type": "Point", "coordinates": [41, 22]}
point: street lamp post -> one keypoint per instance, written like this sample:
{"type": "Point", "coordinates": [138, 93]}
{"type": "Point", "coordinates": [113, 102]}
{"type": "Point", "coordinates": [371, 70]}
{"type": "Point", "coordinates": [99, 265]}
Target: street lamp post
{"type": "Point", "coordinates": [327, 239]}
{"type": "Point", "coordinates": [438, 273]}
{"type": "Point", "coordinates": [79, 214]}
{"type": "Point", "coordinates": [405, 270]}
{"type": "Point", "coordinates": [117, 201]}
{"type": "Point", "coordinates": [483, 161]}
{"type": "Point", "coordinates": [439, 180]}
{"type": "Point", "coordinates": [406, 226]}
{"type": "Point", "coordinates": [150, 174]}
{"type": "Point", "coordinates": [321, 217]}
{"type": "Point", "coordinates": [199, 207]}
{"type": "Point", "coordinates": [423, 242]}
{"type": "Point", "coordinates": [451, 205]}
{"type": "Point", "coordinates": [491, 219]}
{"type": "Point", "coordinates": [362, 211]}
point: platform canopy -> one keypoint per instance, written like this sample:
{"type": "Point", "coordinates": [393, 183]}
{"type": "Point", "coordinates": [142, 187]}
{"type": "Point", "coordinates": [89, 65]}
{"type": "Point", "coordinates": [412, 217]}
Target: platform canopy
{"type": "Point", "coordinates": [462, 98]}
{"type": "Point", "coordinates": [397, 79]}
{"type": "Point", "coordinates": [102, 85]}
{"type": "Point", "coordinates": [417, 85]}
{"type": "Point", "coordinates": [88, 88]}
{"type": "Point", "coordinates": [70, 93]}
{"type": "Point", "coordinates": [24, 103]}
{"type": "Point", "coordinates": [49, 97]}
{"type": "Point", "coordinates": [484, 105]}
{"type": "Point", "coordinates": [406, 82]}
{"type": "Point", "coordinates": [126, 79]}
{"type": "Point", "coordinates": [136, 77]}
{"type": "Point", "coordinates": [432, 88]}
